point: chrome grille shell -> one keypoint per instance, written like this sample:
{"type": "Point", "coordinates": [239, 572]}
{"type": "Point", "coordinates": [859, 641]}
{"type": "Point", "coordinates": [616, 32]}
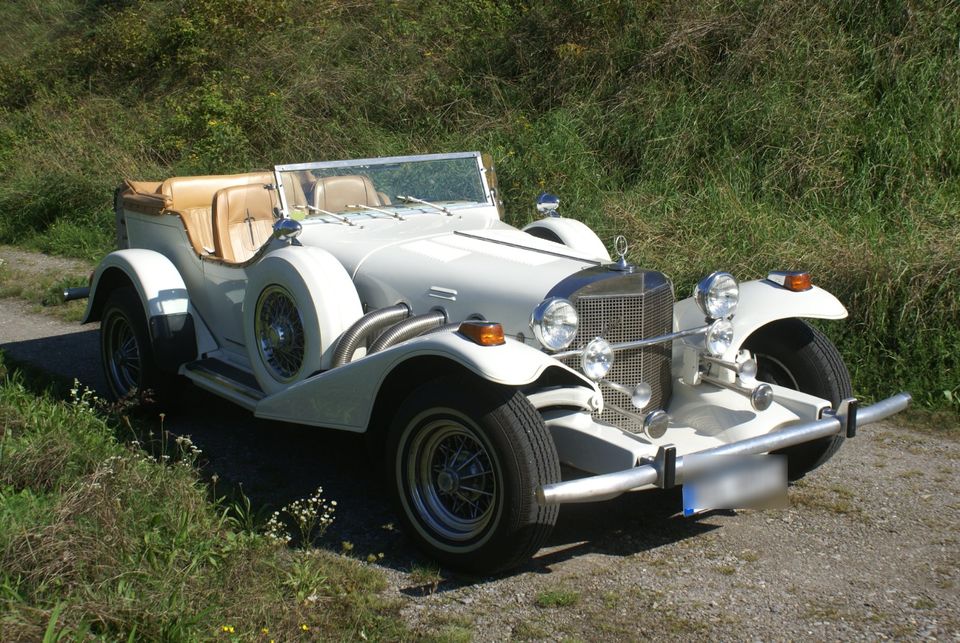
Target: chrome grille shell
{"type": "Point", "coordinates": [621, 307]}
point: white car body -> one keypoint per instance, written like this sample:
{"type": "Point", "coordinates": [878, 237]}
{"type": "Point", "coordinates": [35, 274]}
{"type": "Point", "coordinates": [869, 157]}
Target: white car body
{"type": "Point", "coordinates": [458, 259]}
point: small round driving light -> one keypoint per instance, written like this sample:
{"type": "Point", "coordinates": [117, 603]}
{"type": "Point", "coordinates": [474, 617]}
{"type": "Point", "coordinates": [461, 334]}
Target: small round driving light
{"type": "Point", "coordinates": [554, 323]}
{"type": "Point", "coordinates": [655, 424]}
{"type": "Point", "coordinates": [597, 359]}
{"type": "Point", "coordinates": [718, 295]}
{"type": "Point", "coordinates": [641, 395]}
{"type": "Point", "coordinates": [762, 397]}
{"type": "Point", "coordinates": [719, 337]}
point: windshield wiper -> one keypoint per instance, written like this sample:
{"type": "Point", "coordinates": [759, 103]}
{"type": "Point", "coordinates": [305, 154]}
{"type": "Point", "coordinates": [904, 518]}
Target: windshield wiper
{"type": "Point", "coordinates": [372, 209]}
{"type": "Point", "coordinates": [413, 199]}
{"type": "Point", "coordinates": [338, 217]}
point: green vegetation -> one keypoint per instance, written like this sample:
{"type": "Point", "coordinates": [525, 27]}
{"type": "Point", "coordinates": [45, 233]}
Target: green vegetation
{"type": "Point", "coordinates": [748, 135]}
{"type": "Point", "coordinates": [100, 539]}
{"type": "Point", "coordinates": [558, 597]}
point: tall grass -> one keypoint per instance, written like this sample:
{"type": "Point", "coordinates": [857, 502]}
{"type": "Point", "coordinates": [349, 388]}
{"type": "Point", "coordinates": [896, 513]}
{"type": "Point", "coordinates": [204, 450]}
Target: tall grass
{"type": "Point", "coordinates": [753, 135]}
{"type": "Point", "coordinates": [98, 539]}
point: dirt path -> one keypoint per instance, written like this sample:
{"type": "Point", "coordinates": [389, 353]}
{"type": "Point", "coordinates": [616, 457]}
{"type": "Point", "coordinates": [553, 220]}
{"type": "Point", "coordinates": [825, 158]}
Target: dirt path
{"type": "Point", "coordinates": [869, 548]}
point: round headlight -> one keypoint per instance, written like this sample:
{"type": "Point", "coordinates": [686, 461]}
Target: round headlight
{"type": "Point", "coordinates": [718, 295]}
{"type": "Point", "coordinates": [597, 359]}
{"type": "Point", "coordinates": [719, 337]}
{"type": "Point", "coordinates": [554, 323]}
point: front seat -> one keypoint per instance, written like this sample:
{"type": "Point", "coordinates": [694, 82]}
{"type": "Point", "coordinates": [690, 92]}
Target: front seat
{"type": "Point", "coordinates": [243, 219]}
{"type": "Point", "coordinates": [335, 193]}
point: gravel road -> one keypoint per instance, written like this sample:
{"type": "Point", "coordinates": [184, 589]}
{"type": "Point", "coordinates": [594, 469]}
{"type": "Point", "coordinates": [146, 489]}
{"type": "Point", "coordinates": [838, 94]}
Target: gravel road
{"type": "Point", "coordinates": [867, 550]}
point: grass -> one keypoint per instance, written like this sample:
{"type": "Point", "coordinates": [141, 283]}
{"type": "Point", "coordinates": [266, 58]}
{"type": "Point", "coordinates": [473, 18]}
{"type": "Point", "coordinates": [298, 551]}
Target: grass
{"type": "Point", "coordinates": [557, 597]}
{"type": "Point", "coordinates": [43, 290]}
{"type": "Point", "coordinates": [746, 136]}
{"type": "Point", "coordinates": [101, 539]}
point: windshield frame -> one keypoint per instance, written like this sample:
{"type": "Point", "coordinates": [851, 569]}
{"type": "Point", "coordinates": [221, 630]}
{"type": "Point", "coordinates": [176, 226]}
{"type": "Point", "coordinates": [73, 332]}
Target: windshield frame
{"type": "Point", "coordinates": [383, 160]}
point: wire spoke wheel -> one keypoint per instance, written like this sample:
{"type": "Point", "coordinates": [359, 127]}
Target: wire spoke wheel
{"type": "Point", "coordinates": [465, 458]}
{"type": "Point", "coordinates": [122, 354]}
{"type": "Point", "coordinates": [278, 329]}
{"type": "Point", "coordinates": [450, 479]}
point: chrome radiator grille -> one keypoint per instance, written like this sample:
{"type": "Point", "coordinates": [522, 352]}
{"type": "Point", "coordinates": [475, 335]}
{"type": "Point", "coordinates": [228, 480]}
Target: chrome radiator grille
{"type": "Point", "coordinates": [622, 317]}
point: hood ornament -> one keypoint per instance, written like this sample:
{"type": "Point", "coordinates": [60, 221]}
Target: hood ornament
{"type": "Point", "coordinates": [620, 247]}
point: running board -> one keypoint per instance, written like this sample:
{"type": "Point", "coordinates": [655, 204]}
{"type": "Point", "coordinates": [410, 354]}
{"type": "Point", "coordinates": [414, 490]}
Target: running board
{"type": "Point", "coordinates": [225, 380]}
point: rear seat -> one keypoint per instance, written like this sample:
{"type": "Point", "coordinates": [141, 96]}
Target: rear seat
{"type": "Point", "coordinates": [190, 197]}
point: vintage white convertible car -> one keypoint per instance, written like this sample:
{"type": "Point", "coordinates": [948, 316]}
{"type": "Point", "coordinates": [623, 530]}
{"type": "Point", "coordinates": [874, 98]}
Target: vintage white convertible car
{"type": "Point", "coordinates": [387, 296]}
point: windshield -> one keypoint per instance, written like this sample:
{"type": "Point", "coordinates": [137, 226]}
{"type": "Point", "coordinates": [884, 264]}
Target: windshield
{"type": "Point", "coordinates": [382, 185]}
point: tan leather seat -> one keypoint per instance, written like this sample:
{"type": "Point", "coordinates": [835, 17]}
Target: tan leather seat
{"type": "Point", "coordinates": [192, 198]}
{"type": "Point", "coordinates": [293, 189]}
{"type": "Point", "coordinates": [335, 193]}
{"type": "Point", "coordinates": [242, 221]}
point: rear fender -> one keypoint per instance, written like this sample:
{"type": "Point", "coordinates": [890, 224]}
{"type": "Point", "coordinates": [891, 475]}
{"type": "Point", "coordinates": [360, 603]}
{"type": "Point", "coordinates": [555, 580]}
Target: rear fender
{"type": "Point", "coordinates": [171, 320]}
{"type": "Point", "coordinates": [761, 302]}
{"type": "Point", "coordinates": [344, 397]}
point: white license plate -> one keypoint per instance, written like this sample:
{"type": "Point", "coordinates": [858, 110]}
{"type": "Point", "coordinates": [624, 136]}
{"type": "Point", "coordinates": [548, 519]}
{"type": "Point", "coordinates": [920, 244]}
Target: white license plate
{"type": "Point", "coordinates": [750, 482]}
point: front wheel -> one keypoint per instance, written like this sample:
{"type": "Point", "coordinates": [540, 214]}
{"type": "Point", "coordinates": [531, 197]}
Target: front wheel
{"type": "Point", "coordinates": [794, 354]}
{"type": "Point", "coordinates": [465, 458]}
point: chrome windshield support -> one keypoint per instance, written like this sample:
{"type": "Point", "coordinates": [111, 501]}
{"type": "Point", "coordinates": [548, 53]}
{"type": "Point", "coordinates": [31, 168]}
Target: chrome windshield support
{"type": "Point", "coordinates": [611, 485]}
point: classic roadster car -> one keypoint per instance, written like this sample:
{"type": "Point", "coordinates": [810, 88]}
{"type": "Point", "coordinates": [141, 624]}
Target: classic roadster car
{"type": "Point", "coordinates": [387, 296]}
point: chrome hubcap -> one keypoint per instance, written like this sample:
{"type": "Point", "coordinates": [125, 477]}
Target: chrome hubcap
{"type": "Point", "coordinates": [279, 333]}
{"type": "Point", "coordinates": [451, 480]}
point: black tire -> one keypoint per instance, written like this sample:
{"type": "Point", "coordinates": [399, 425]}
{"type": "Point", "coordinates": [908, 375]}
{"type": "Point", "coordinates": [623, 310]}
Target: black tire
{"type": "Point", "coordinates": [127, 353]}
{"type": "Point", "coordinates": [448, 427]}
{"type": "Point", "coordinates": [794, 354]}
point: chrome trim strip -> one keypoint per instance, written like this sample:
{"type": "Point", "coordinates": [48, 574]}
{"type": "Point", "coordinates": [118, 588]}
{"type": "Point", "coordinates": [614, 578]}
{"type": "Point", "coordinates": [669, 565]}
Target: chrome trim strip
{"type": "Point", "coordinates": [383, 160]}
{"type": "Point", "coordinates": [523, 247]}
{"type": "Point", "coordinates": [641, 343]}
{"type": "Point", "coordinates": [611, 485]}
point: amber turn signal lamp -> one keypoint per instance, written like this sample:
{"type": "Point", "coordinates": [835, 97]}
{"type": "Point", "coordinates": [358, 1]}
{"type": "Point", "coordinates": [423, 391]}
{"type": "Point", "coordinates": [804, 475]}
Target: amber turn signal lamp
{"type": "Point", "coordinates": [797, 282]}
{"type": "Point", "coordinates": [483, 333]}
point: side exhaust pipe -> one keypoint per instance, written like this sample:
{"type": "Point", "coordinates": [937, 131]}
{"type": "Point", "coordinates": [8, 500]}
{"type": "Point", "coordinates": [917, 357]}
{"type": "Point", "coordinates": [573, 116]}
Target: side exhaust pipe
{"type": "Point", "coordinates": [70, 294]}
{"type": "Point", "coordinates": [408, 329]}
{"type": "Point", "coordinates": [371, 323]}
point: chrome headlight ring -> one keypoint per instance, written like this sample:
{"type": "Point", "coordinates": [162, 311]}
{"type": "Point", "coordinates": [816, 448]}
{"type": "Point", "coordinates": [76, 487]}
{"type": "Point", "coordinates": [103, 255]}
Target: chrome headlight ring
{"type": "Point", "coordinates": [554, 323]}
{"type": "Point", "coordinates": [717, 295]}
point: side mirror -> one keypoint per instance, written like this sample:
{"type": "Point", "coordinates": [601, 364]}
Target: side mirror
{"type": "Point", "coordinates": [287, 229]}
{"type": "Point", "coordinates": [548, 205]}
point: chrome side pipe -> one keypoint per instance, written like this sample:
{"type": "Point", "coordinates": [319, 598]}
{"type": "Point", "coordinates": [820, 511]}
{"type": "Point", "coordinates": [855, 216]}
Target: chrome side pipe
{"type": "Point", "coordinates": [666, 471]}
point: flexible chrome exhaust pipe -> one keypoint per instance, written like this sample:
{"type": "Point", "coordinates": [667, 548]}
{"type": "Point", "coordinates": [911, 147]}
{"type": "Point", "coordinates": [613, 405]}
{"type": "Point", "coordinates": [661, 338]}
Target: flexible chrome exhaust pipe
{"type": "Point", "coordinates": [407, 329]}
{"type": "Point", "coordinates": [371, 323]}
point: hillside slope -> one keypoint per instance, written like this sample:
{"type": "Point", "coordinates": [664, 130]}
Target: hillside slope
{"type": "Point", "coordinates": [750, 135]}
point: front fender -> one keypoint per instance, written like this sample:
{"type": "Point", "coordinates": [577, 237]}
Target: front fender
{"type": "Point", "coordinates": [571, 233]}
{"type": "Point", "coordinates": [156, 279]}
{"type": "Point", "coordinates": [761, 302]}
{"type": "Point", "coordinates": [343, 397]}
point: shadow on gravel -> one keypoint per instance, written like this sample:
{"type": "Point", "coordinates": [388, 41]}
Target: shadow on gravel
{"type": "Point", "coordinates": [273, 463]}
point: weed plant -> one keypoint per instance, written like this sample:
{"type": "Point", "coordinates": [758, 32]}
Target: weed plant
{"type": "Point", "coordinates": [748, 136]}
{"type": "Point", "coordinates": [101, 539]}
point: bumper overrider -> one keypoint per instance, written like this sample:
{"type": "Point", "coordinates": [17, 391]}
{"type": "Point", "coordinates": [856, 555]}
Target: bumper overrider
{"type": "Point", "coordinates": [668, 469]}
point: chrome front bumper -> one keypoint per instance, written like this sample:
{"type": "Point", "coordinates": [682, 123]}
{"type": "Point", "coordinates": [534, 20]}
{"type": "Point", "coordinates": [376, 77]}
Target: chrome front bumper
{"type": "Point", "coordinates": [668, 469]}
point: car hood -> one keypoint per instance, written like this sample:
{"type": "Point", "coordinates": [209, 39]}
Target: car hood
{"type": "Point", "coordinates": [491, 271]}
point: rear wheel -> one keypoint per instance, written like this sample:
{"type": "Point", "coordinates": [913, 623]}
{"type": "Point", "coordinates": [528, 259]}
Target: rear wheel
{"type": "Point", "coordinates": [126, 352]}
{"type": "Point", "coordinates": [464, 460]}
{"type": "Point", "coordinates": [794, 354]}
